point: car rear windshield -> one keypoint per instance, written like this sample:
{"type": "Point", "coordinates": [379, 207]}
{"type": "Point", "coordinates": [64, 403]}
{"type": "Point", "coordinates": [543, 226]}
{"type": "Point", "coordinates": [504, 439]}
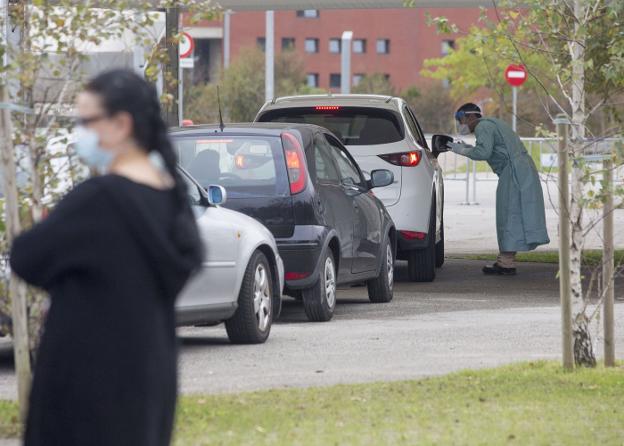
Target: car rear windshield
{"type": "Point", "coordinates": [247, 166]}
{"type": "Point", "coordinates": [355, 126]}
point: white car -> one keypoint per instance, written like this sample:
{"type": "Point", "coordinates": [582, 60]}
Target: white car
{"type": "Point", "coordinates": [381, 132]}
{"type": "Point", "coordinates": [242, 278]}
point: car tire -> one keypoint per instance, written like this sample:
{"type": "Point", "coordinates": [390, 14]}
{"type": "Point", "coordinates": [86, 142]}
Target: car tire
{"type": "Point", "coordinates": [319, 301]}
{"type": "Point", "coordinates": [251, 324]}
{"type": "Point", "coordinates": [421, 263]}
{"type": "Point", "coordinates": [380, 289]}
{"type": "Point", "coordinates": [440, 247]}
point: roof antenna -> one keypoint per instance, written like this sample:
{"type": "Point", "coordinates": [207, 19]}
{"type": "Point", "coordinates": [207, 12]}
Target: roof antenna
{"type": "Point", "coordinates": [221, 125]}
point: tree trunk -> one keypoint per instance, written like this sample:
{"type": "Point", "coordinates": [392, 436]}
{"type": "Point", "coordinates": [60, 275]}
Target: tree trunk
{"type": "Point", "coordinates": [17, 290]}
{"type": "Point", "coordinates": [583, 348]}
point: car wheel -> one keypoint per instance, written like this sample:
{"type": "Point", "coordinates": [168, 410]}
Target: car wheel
{"type": "Point", "coordinates": [380, 289]}
{"type": "Point", "coordinates": [319, 301]}
{"type": "Point", "coordinates": [251, 324]}
{"type": "Point", "coordinates": [439, 255]}
{"type": "Point", "coordinates": [421, 264]}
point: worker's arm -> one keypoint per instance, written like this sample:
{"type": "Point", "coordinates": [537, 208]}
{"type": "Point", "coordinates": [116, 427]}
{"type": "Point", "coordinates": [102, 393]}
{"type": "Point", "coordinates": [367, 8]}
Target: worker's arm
{"type": "Point", "coordinates": [484, 133]}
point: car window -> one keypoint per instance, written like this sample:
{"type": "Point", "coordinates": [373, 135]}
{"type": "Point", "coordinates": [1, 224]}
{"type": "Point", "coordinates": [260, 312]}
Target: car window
{"type": "Point", "coordinates": [326, 171]}
{"type": "Point", "coordinates": [349, 173]}
{"type": "Point", "coordinates": [413, 124]}
{"type": "Point", "coordinates": [247, 166]}
{"type": "Point", "coordinates": [355, 126]}
{"type": "Point", "coordinates": [192, 191]}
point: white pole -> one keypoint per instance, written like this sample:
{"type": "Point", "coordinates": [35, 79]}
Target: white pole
{"type": "Point", "coordinates": [474, 183]}
{"type": "Point", "coordinates": [467, 201]}
{"type": "Point", "coordinates": [515, 107]}
{"type": "Point", "coordinates": [269, 82]}
{"type": "Point", "coordinates": [345, 62]}
{"type": "Point", "coordinates": [180, 93]}
{"type": "Point", "coordinates": [226, 38]}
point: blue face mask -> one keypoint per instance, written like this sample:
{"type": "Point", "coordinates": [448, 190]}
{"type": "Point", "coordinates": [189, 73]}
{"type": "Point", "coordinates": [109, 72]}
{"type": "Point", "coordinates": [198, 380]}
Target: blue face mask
{"type": "Point", "coordinates": [88, 149]}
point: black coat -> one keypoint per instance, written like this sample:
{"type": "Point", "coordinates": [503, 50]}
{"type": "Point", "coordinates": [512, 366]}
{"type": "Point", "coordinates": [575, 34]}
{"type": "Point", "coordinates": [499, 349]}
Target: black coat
{"type": "Point", "coordinates": [106, 368]}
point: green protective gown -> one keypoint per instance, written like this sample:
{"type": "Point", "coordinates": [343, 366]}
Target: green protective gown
{"type": "Point", "coordinates": [520, 213]}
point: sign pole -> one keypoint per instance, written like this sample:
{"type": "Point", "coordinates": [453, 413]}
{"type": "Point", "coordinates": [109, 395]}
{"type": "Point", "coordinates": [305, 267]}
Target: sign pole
{"type": "Point", "coordinates": [515, 107]}
{"type": "Point", "coordinates": [180, 93]}
{"type": "Point", "coordinates": [515, 75]}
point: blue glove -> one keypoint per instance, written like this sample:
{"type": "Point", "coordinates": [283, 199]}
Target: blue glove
{"type": "Point", "coordinates": [461, 148]}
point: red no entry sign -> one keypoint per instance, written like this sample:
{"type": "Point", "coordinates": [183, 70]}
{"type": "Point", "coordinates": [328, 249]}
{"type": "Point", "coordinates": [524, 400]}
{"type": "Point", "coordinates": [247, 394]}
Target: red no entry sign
{"type": "Point", "coordinates": [187, 44]}
{"type": "Point", "coordinates": [516, 75]}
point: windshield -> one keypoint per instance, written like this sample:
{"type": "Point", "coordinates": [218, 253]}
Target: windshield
{"type": "Point", "coordinates": [245, 166]}
{"type": "Point", "coordinates": [355, 126]}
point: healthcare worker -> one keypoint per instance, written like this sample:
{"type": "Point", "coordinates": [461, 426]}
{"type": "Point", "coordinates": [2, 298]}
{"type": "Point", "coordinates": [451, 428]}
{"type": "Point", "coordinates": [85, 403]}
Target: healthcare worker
{"type": "Point", "coordinates": [520, 214]}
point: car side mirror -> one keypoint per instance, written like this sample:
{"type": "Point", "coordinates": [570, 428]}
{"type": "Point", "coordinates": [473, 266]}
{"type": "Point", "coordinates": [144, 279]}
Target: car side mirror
{"type": "Point", "coordinates": [439, 144]}
{"type": "Point", "coordinates": [380, 178]}
{"type": "Point", "coordinates": [217, 195]}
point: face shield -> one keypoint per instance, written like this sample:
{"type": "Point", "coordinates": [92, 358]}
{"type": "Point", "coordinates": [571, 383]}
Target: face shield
{"type": "Point", "coordinates": [463, 129]}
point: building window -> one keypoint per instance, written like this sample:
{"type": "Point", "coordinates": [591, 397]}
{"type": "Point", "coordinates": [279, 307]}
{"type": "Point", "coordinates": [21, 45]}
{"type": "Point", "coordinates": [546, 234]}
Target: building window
{"type": "Point", "coordinates": [308, 13]}
{"type": "Point", "coordinates": [357, 78]}
{"type": "Point", "coordinates": [261, 42]}
{"type": "Point", "coordinates": [383, 46]}
{"type": "Point", "coordinates": [311, 45]}
{"type": "Point", "coordinates": [447, 46]}
{"type": "Point", "coordinates": [313, 80]}
{"type": "Point", "coordinates": [359, 46]}
{"type": "Point", "coordinates": [334, 80]}
{"type": "Point", "coordinates": [288, 43]}
{"type": "Point", "coordinates": [335, 45]}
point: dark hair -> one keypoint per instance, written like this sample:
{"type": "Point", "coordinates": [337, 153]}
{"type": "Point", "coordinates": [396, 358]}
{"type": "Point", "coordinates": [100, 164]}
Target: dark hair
{"type": "Point", "coordinates": [125, 91]}
{"type": "Point", "coordinates": [470, 107]}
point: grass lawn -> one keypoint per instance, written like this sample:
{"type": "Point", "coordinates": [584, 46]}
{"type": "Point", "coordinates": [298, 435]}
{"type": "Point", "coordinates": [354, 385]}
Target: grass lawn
{"type": "Point", "coordinates": [590, 257]}
{"type": "Point", "coordinates": [523, 404]}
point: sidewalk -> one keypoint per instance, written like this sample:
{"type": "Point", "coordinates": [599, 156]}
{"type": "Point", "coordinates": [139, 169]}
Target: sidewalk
{"type": "Point", "coordinates": [472, 229]}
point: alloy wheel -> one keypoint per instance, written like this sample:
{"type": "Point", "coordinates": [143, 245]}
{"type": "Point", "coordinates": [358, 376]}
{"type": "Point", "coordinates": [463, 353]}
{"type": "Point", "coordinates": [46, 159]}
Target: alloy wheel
{"type": "Point", "coordinates": [262, 297]}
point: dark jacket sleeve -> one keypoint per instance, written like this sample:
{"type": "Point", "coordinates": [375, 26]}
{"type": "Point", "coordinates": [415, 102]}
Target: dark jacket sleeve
{"type": "Point", "coordinates": [64, 241]}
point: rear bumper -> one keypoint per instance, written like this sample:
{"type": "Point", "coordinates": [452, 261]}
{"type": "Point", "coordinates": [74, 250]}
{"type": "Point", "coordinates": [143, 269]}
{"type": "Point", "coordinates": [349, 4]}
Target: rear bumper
{"type": "Point", "coordinates": [404, 244]}
{"type": "Point", "coordinates": [301, 254]}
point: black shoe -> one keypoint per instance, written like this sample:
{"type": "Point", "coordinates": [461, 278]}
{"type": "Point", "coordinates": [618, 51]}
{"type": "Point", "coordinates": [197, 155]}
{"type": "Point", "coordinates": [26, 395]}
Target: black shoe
{"type": "Point", "coordinates": [497, 270]}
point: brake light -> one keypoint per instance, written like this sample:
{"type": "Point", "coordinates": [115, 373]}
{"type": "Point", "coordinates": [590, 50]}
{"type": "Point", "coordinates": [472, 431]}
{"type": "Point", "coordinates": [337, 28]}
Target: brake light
{"type": "Point", "coordinates": [405, 159]}
{"type": "Point", "coordinates": [327, 108]}
{"type": "Point", "coordinates": [214, 141]}
{"type": "Point", "coordinates": [295, 276]}
{"type": "Point", "coordinates": [239, 160]}
{"type": "Point", "coordinates": [294, 162]}
{"type": "Point", "coordinates": [412, 235]}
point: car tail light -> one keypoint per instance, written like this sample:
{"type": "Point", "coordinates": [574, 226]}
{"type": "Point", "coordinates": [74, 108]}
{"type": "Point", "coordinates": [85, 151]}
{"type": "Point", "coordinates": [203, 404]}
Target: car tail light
{"type": "Point", "coordinates": [412, 235]}
{"type": "Point", "coordinates": [405, 159]}
{"type": "Point", "coordinates": [327, 108]}
{"type": "Point", "coordinates": [295, 276]}
{"type": "Point", "coordinates": [295, 162]}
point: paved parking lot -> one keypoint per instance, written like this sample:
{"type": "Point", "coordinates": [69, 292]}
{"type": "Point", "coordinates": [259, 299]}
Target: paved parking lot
{"type": "Point", "coordinates": [463, 320]}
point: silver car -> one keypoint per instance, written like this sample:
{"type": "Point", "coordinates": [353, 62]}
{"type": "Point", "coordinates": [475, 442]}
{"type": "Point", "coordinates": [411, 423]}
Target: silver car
{"type": "Point", "coordinates": [382, 132]}
{"type": "Point", "coordinates": [242, 278]}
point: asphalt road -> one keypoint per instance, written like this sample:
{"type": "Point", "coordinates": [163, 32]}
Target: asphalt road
{"type": "Point", "coordinates": [462, 320]}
